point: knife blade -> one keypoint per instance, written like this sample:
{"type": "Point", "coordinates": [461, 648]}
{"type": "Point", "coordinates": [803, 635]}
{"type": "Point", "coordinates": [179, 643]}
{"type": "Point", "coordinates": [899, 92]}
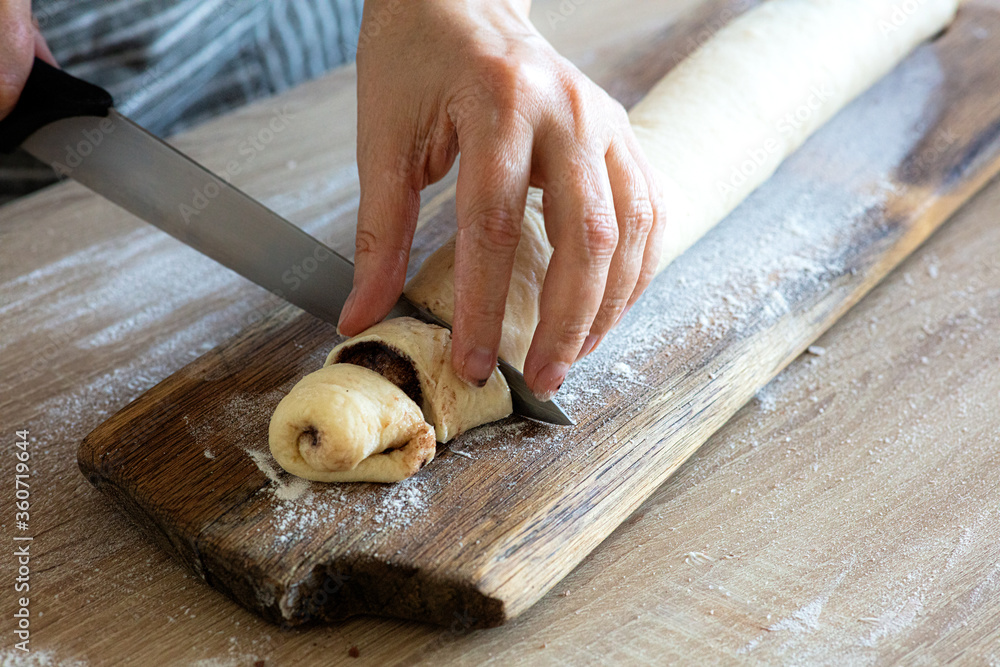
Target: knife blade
{"type": "Point", "coordinates": [125, 164]}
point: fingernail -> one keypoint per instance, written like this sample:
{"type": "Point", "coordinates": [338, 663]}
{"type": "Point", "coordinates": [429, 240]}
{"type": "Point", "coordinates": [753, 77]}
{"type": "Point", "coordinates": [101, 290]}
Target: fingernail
{"type": "Point", "coordinates": [478, 366]}
{"type": "Point", "coordinates": [549, 379]}
{"type": "Point", "coordinates": [624, 313]}
{"type": "Point", "coordinates": [588, 346]}
{"type": "Point", "coordinates": [344, 312]}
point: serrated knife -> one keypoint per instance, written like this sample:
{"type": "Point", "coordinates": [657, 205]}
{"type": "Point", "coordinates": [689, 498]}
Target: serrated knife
{"type": "Point", "coordinates": [72, 126]}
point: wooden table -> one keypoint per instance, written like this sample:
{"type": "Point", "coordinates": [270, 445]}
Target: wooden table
{"type": "Point", "coordinates": [850, 515]}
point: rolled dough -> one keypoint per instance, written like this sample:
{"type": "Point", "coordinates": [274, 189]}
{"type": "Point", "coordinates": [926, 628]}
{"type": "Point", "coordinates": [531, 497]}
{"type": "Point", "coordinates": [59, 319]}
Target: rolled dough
{"type": "Point", "coordinates": [425, 350]}
{"type": "Point", "coordinates": [714, 129]}
{"type": "Point", "coordinates": [346, 423]}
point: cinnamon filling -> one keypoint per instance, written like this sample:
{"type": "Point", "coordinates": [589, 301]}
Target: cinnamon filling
{"type": "Point", "coordinates": [393, 366]}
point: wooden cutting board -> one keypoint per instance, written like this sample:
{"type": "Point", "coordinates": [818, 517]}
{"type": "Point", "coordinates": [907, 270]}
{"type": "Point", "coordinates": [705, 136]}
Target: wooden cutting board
{"type": "Point", "coordinates": [507, 510]}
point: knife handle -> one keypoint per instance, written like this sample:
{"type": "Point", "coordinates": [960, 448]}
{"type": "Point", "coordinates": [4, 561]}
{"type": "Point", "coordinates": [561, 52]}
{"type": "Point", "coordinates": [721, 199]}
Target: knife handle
{"type": "Point", "coordinates": [50, 95]}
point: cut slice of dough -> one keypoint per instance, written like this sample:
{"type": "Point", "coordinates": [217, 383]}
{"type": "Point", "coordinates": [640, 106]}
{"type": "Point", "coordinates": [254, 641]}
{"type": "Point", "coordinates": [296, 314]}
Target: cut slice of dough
{"type": "Point", "coordinates": [714, 128]}
{"type": "Point", "coordinates": [416, 356]}
{"type": "Point", "coordinates": [345, 423]}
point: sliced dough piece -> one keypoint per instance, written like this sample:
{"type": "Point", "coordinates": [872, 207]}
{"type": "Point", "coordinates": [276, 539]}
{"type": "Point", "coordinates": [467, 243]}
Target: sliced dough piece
{"type": "Point", "coordinates": [345, 423]}
{"type": "Point", "coordinates": [416, 357]}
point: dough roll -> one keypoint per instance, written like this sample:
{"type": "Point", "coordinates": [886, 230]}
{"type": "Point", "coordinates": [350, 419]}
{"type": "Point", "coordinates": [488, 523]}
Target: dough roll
{"type": "Point", "coordinates": [346, 423]}
{"type": "Point", "coordinates": [416, 357]}
{"type": "Point", "coordinates": [715, 128]}
{"type": "Point", "coordinates": [723, 121]}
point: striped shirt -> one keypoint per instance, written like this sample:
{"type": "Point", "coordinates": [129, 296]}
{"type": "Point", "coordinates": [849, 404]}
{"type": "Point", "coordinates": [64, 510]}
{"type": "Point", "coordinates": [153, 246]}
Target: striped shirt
{"type": "Point", "coordinates": [170, 64]}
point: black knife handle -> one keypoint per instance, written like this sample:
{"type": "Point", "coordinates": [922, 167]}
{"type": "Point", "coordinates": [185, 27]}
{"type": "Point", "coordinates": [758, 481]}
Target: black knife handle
{"type": "Point", "coordinates": [50, 95]}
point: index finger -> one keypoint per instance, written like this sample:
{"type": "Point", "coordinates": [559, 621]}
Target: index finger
{"type": "Point", "coordinates": [387, 218]}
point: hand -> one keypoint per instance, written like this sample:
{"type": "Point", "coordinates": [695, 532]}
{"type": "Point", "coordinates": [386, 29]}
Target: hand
{"type": "Point", "coordinates": [439, 76]}
{"type": "Point", "coordinates": [20, 42]}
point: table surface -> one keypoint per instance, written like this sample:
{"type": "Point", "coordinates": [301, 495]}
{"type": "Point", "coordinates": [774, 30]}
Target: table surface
{"type": "Point", "coordinates": [849, 515]}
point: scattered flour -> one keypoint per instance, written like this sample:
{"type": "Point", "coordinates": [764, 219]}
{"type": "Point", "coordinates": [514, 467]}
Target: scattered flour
{"type": "Point", "coordinates": [298, 506]}
{"type": "Point", "coordinates": [895, 621]}
{"type": "Point", "coordinates": [804, 619]}
{"type": "Point", "coordinates": [35, 658]}
{"type": "Point", "coordinates": [231, 661]}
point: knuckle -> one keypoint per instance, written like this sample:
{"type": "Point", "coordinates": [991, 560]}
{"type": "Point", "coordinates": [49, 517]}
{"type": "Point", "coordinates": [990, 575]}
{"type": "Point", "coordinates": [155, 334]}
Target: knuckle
{"type": "Point", "coordinates": [406, 165]}
{"type": "Point", "coordinates": [646, 275]}
{"type": "Point", "coordinates": [571, 334]}
{"type": "Point", "coordinates": [498, 229]}
{"type": "Point", "coordinates": [384, 251]}
{"type": "Point", "coordinates": [600, 235]}
{"type": "Point", "coordinates": [365, 243]}
{"type": "Point", "coordinates": [508, 82]}
{"type": "Point", "coordinates": [485, 317]}
{"type": "Point", "coordinates": [613, 305]}
{"type": "Point", "coordinates": [611, 308]}
{"type": "Point", "coordinates": [638, 220]}
{"type": "Point", "coordinates": [656, 199]}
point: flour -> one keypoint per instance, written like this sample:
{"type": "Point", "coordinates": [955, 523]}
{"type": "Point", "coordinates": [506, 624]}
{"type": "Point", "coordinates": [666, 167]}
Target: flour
{"type": "Point", "coordinates": [805, 619]}
{"type": "Point", "coordinates": [894, 621]}
{"type": "Point", "coordinates": [35, 658]}
{"type": "Point", "coordinates": [297, 507]}
{"type": "Point", "coordinates": [146, 284]}
{"type": "Point", "coordinates": [283, 485]}
{"type": "Point", "coordinates": [232, 661]}
{"type": "Point", "coordinates": [915, 579]}
{"type": "Point", "coordinates": [293, 489]}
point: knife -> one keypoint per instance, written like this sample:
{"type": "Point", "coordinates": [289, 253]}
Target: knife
{"type": "Point", "coordinates": [71, 125]}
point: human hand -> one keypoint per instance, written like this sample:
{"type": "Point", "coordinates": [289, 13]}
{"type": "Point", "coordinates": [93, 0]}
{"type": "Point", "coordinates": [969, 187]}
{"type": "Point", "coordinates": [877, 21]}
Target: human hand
{"type": "Point", "coordinates": [442, 76]}
{"type": "Point", "coordinates": [20, 43]}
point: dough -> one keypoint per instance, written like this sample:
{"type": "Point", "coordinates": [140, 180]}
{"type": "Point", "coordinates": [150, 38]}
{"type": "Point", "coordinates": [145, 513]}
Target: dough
{"type": "Point", "coordinates": [723, 121]}
{"type": "Point", "coordinates": [433, 287]}
{"type": "Point", "coordinates": [714, 128]}
{"type": "Point", "coordinates": [345, 423]}
{"type": "Point", "coordinates": [416, 356]}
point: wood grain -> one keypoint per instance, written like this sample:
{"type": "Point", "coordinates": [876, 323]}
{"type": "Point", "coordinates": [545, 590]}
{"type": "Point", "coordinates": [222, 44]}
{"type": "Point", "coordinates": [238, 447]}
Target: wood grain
{"type": "Point", "coordinates": [482, 540]}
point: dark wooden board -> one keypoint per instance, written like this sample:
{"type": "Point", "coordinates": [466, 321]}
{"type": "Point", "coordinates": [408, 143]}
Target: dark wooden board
{"type": "Point", "coordinates": [478, 536]}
